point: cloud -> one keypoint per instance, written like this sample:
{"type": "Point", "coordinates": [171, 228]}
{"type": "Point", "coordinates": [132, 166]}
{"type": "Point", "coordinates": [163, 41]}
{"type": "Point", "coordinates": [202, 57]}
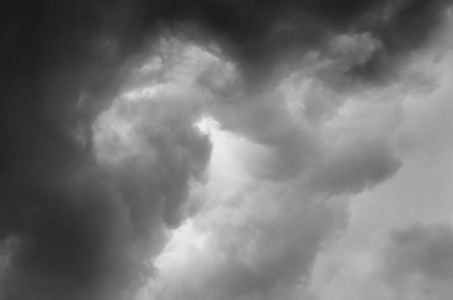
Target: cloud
{"type": "Point", "coordinates": [359, 265]}
{"type": "Point", "coordinates": [256, 247]}
{"type": "Point", "coordinates": [89, 231]}
{"type": "Point", "coordinates": [101, 156]}
{"type": "Point", "coordinates": [417, 262]}
{"type": "Point", "coordinates": [262, 226]}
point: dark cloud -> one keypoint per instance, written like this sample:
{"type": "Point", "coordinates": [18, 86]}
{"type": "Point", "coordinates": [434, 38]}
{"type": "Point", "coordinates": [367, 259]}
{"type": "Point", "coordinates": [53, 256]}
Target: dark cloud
{"type": "Point", "coordinates": [87, 228]}
{"type": "Point", "coordinates": [84, 229]}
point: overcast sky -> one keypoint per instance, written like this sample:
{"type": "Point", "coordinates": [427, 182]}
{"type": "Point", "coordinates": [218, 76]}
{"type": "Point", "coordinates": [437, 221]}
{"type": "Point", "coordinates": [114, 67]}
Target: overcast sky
{"type": "Point", "coordinates": [226, 150]}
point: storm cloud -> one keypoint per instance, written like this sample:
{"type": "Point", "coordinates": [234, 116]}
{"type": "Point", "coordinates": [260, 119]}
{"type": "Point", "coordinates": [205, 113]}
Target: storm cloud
{"type": "Point", "coordinates": [198, 149]}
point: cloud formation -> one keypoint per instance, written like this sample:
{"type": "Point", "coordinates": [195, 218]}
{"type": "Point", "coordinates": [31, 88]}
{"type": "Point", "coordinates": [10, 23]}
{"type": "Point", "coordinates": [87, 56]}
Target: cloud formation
{"type": "Point", "coordinates": [418, 262]}
{"type": "Point", "coordinates": [104, 153]}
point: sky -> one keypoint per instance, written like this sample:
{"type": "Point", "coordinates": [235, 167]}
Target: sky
{"type": "Point", "coordinates": [226, 150]}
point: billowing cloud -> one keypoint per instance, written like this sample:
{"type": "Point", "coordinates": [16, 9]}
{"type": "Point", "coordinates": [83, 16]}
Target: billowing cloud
{"type": "Point", "coordinates": [266, 214]}
{"type": "Point", "coordinates": [89, 231]}
{"type": "Point", "coordinates": [196, 149]}
{"type": "Point", "coordinates": [372, 260]}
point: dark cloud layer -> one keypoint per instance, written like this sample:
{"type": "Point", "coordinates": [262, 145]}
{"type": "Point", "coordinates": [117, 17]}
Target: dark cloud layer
{"type": "Point", "coordinates": [83, 230]}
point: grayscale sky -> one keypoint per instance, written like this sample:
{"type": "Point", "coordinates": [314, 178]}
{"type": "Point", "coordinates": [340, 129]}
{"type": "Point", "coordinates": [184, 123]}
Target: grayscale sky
{"type": "Point", "coordinates": [226, 150]}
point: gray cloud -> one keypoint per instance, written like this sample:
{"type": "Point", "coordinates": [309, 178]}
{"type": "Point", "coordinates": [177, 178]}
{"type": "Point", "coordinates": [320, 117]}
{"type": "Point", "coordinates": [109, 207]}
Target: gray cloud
{"type": "Point", "coordinates": [261, 240]}
{"type": "Point", "coordinates": [418, 262]}
{"type": "Point", "coordinates": [87, 223]}
{"type": "Point", "coordinates": [85, 207]}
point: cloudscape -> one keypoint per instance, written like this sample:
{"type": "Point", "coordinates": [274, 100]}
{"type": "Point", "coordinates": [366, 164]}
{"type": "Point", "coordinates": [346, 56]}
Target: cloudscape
{"type": "Point", "coordinates": [226, 150]}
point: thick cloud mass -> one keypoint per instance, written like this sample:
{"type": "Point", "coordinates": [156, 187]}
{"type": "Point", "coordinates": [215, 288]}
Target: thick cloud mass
{"type": "Point", "coordinates": [245, 124]}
